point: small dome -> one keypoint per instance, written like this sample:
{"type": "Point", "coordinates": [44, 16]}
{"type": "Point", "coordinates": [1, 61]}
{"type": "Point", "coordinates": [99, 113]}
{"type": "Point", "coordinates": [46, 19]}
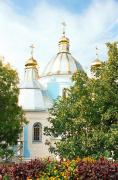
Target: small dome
{"type": "Point", "coordinates": [96, 63]}
{"type": "Point", "coordinates": [31, 62]}
{"type": "Point", "coordinates": [64, 40]}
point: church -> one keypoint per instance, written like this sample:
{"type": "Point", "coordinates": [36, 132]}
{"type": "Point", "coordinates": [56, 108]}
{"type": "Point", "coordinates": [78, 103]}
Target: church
{"type": "Point", "coordinates": [38, 92]}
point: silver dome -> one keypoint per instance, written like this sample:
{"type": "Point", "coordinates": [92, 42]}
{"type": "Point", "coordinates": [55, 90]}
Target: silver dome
{"type": "Point", "coordinates": [63, 62]}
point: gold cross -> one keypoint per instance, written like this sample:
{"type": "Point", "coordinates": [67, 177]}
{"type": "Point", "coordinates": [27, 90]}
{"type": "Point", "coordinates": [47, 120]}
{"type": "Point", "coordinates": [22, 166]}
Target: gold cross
{"type": "Point", "coordinates": [32, 49]}
{"type": "Point", "coordinates": [64, 27]}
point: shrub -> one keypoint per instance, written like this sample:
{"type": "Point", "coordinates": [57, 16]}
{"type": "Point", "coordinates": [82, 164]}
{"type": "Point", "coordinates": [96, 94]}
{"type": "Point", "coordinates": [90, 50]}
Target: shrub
{"type": "Point", "coordinates": [101, 169]}
{"type": "Point", "coordinates": [31, 169]}
{"type": "Point", "coordinates": [81, 169]}
{"type": "Point", "coordinates": [76, 169]}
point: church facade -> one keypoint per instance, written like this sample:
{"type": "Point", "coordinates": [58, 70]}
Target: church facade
{"type": "Point", "coordinates": [38, 92]}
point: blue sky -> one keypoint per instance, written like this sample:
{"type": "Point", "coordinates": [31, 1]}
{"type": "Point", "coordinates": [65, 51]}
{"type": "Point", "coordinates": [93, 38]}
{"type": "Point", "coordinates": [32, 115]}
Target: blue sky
{"type": "Point", "coordinates": [75, 6]}
{"type": "Point", "coordinates": [90, 23]}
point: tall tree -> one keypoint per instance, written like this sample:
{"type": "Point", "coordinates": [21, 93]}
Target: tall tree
{"type": "Point", "coordinates": [11, 115]}
{"type": "Point", "coordinates": [86, 120]}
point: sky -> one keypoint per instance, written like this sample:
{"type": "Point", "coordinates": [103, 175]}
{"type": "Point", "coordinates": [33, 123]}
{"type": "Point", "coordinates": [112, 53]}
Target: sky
{"type": "Point", "coordinates": [90, 23]}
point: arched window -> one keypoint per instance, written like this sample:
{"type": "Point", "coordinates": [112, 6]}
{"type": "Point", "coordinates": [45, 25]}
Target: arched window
{"type": "Point", "coordinates": [37, 132]}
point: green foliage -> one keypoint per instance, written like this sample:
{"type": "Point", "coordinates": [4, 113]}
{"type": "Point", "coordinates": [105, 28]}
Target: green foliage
{"type": "Point", "coordinates": [86, 120]}
{"type": "Point", "coordinates": [11, 115]}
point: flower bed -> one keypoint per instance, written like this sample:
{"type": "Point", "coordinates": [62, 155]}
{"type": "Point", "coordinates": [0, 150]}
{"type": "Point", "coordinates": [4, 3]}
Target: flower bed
{"type": "Point", "coordinates": [23, 171]}
{"type": "Point", "coordinates": [78, 169]}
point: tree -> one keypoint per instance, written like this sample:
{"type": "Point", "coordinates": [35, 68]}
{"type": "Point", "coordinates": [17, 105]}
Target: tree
{"type": "Point", "coordinates": [86, 120]}
{"type": "Point", "coordinates": [11, 115]}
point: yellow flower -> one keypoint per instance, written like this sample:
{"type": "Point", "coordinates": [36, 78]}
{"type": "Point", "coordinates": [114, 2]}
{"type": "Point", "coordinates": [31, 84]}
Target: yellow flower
{"type": "Point", "coordinates": [78, 160]}
{"type": "Point", "coordinates": [88, 160]}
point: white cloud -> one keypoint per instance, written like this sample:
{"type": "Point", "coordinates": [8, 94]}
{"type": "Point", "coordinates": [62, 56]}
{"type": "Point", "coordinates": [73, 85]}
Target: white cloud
{"type": "Point", "coordinates": [92, 27]}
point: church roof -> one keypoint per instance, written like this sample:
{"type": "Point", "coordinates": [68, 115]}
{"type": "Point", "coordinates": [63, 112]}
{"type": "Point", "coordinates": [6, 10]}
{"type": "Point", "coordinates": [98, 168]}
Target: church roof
{"type": "Point", "coordinates": [34, 84]}
{"type": "Point", "coordinates": [63, 62]}
{"type": "Point", "coordinates": [33, 97]}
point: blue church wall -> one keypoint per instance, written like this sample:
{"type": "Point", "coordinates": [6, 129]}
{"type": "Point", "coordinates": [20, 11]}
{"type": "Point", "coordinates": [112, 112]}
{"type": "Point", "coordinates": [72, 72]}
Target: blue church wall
{"type": "Point", "coordinates": [53, 89]}
{"type": "Point", "coordinates": [26, 151]}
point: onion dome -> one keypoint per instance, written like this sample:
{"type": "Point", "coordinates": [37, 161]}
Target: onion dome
{"type": "Point", "coordinates": [31, 67]}
{"type": "Point", "coordinates": [63, 62]}
{"type": "Point", "coordinates": [31, 63]}
{"type": "Point", "coordinates": [96, 62]}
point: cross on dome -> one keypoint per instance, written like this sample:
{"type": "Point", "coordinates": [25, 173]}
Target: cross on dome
{"type": "Point", "coordinates": [97, 52]}
{"type": "Point", "coordinates": [32, 49]}
{"type": "Point", "coordinates": [31, 62]}
{"type": "Point", "coordinates": [64, 27]}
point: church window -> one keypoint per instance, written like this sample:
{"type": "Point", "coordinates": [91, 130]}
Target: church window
{"type": "Point", "coordinates": [37, 132]}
